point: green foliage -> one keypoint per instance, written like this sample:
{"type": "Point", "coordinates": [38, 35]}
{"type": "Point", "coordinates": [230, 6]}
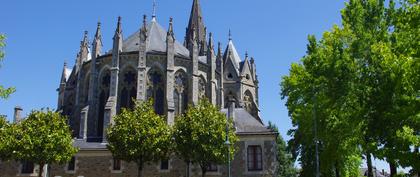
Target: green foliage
{"type": "Point", "coordinates": [360, 85]}
{"type": "Point", "coordinates": [284, 158]}
{"type": "Point", "coordinates": [7, 139]}
{"type": "Point", "coordinates": [44, 138]}
{"type": "Point", "coordinates": [139, 135]}
{"type": "Point", "coordinates": [4, 92]}
{"type": "Point", "coordinates": [200, 135]}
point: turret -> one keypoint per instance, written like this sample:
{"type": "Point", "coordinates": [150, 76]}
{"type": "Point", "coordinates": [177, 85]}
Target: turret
{"type": "Point", "coordinates": [196, 29]}
{"type": "Point", "coordinates": [83, 52]}
{"type": "Point", "coordinates": [61, 89]}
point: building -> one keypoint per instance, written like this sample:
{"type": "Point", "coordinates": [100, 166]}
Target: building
{"type": "Point", "coordinates": [151, 63]}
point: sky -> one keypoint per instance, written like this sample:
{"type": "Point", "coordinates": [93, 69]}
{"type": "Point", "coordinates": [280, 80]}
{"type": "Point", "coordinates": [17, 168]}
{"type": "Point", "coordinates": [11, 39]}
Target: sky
{"type": "Point", "coordinates": [42, 35]}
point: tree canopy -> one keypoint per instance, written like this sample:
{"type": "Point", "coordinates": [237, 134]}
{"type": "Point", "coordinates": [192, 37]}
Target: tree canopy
{"type": "Point", "coordinates": [4, 92]}
{"type": "Point", "coordinates": [44, 138]}
{"type": "Point", "coordinates": [139, 135]}
{"type": "Point", "coordinates": [357, 89]}
{"type": "Point", "coordinates": [200, 135]}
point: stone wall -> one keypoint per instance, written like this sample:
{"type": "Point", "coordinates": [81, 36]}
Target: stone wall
{"type": "Point", "coordinates": [99, 164]}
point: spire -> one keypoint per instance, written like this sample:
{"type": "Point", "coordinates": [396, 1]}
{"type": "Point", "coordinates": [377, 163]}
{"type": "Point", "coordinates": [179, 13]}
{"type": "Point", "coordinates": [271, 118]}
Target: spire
{"type": "Point", "coordinates": [154, 11]}
{"type": "Point", "coordinates": [211, 43]}
{"type": "Point", "coordinates": [196, 22]}
{"type": "Point", "coordinates": [119, 28]}
{"type": "Point", "coordinates": [230, 35]}
{"type": "Point", "coordinates": [64, 74]}
{"type": "Point", "coordinates": [171, 28]}
{"type": "Point", "coordinates": [83, 54]}
{"type": "Point", "coordinates": [97, 42]}
{"type": "Point", "coordinates": [219, 49]}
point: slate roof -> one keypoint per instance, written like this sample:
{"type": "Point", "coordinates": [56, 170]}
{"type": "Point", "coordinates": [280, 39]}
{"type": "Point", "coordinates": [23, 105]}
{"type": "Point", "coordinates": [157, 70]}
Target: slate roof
{"type": "Point", "coordinates": [232, 54]}
{"type": "Point", "coordinates": [156, 41]}
{"type": "Point", "coordinates": [245, 123]}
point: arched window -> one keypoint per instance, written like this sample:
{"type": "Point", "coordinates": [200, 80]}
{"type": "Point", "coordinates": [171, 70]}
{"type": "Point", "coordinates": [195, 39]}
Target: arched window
{"type": "Point", "coordinates": [128, 89]}
{"type": "Point", "coordinates": [155, 90]}
{"type": "Point", "coordinates": [180, 92]}
{"type": "Point", "coordinates": [103, 98]}
{"type": "Point", "coordinates": [86, 90]}
{"type": "Point", "coordinates": [201, 88]}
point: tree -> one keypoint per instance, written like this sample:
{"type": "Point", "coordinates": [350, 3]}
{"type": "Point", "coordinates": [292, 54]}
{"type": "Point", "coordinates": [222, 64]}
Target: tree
{"type": "Point", "coordinates": [284, 158]}
{"type": "Point", "coordinates": [44, 138]}
{"type": "Point", "coordinates": [139, 135]}
{"type": "Point", "coordinates": [357, 89]}
{"type": "Point", "coordinates": [4, 92]}
{"type": "Point", "coordinates": [7, 139]}
{"type": "Point", "coordinates": [200, 136]}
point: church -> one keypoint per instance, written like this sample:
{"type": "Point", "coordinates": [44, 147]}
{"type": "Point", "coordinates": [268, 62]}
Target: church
{"type": "Point", "coordinates": [152, 63]}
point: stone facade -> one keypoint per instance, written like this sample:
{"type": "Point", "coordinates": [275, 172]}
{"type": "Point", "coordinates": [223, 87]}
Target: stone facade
{"type": "Point", "coordinates": [151, 63]}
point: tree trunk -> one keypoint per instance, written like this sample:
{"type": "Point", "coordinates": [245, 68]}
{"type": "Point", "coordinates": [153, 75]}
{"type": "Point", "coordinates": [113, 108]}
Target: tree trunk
{"type": "Point", "coordinates": [139, 169]}
{"type": "Point", "coordinates": [41, 169]}
{"type": "Point", "coordinates": [187, 170]}
{"type": "Point", "coordinates": [203, 171]}
{"type": "Point", "coordinates": [393, 168]}
{"type": "Point", "coordinates": [337, 170]}
{"type": "Point", "coordinates": [369, 164]}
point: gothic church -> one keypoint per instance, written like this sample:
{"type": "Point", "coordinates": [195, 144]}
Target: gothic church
{"type": "Point", "coordinates": [151, 63]}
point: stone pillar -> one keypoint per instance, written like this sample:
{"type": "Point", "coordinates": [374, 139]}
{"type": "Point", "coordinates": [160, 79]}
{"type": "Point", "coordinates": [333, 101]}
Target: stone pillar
{"type": "Point", "coordinates": [170, 60]}
{"type": "Point", "coordinates": [195, 77]}
{"type": "Point", "coordinates": [221, 86]}
{"type": "Point", "coordinates": [17, 117]}
{"type": "Point", "coordinates": [83, 123]}
{"type": "Point", "coordinates": [141, 67]}
{"type": "Point", "coordinates": [231, 107]}
{"type": "Point", "coordinates": [211, 74]}
{"type": "Point", "coordinates": [111, 105]}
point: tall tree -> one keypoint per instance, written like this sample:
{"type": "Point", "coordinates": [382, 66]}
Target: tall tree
{"type": "Point", "coordinates": [4, 92]}
{"type": "Point", "coordinates": [357, 89]}
{"type": "Point", "coordinates": [140, 136]}
{"type": "Point", "coordinates": [200, 136]}
{"type": "Point", "coordinates": [284, 158]}
{"type": "Point", "coordinates": [45, 138]}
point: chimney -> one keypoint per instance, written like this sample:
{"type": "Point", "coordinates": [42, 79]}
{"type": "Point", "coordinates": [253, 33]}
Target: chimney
{"type": "Point", "coordinates": [231, 107]}
{"type": "Point", "coordinates": [17, 116]}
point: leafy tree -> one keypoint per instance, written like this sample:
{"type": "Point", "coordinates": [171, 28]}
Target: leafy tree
{"type": "Point", "coordinates": [200, 136]}
{"type": "Point", "coordinates": [44, 138]}
{"type": "Point", "coordinates": [357, 89]}
{"type": "Point", "coordinates": [4, 92]}
{"type": "Point", "coordinates": [284, 158]}
{"type": "Point", "coordinates": [7, 139]}
{"type": "Point", "coordinates": [139, 135]}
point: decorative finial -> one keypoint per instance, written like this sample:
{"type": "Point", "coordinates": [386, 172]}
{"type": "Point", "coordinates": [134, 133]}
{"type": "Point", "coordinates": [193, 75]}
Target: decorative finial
{"type": "Point", "coordinates": [246, 54]}
{"type": "Point", "coordinates": [144, 18]}
{"type": "Point", "coordinates": [154, 9]}
{"type": "Point", "coordinates": [99, 24]}
{"type": "Point", "coordinates": [171, 28]}
{"type": "Point", "coordinates": [230, 35]}
{"type": "Point", "coordinates": [65, 64]}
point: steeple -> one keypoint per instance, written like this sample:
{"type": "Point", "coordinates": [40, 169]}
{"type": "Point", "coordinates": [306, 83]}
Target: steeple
{"type": "Point", "coordinates": [97, 42]}
{"type": "Point", "coordinates": [196, 25]}
{"type": "Point", "coordinates": [154, 11]}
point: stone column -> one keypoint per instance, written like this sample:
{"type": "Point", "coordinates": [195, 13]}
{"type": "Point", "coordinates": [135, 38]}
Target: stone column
{"type": "Point", "coordinates": [170, 60]}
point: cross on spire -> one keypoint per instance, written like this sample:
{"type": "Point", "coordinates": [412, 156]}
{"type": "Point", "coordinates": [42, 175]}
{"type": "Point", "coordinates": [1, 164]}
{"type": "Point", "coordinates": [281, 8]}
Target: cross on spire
{"type": "Point", "coordinates": [154, 9]}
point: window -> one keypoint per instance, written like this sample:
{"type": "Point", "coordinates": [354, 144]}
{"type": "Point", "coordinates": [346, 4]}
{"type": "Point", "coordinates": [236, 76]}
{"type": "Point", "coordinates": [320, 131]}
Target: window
{"type": "Point", "coordinates": [71, 164]}
{"type": "Point", "coordinates": [180, 92]}
{"type": "Point", "coordinates": [254, 158]}
{"type": "Point", "coordinates": [212, 168]}
{"type": "Point", "coordinates": [116, 164]}
{"type": "Point", "coordinates": [201, 88]}
{"type": "Point", "coordinates": [155, 90]}
{"type": "Point", "coordinates": [27, 167]}
{"type": "Point", "coordinates": [129, 90]}
{"type": "Point", "coordinates": [164, 165]}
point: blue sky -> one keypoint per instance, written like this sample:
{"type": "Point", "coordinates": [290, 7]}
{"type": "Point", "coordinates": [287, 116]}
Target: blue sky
{"type": "Point", "coordinates": [41, 35]}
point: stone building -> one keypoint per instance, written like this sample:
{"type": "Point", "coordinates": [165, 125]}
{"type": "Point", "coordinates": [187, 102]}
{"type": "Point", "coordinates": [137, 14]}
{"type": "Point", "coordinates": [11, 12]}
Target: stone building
{"type": "Point", "coordinates": [151, 63]}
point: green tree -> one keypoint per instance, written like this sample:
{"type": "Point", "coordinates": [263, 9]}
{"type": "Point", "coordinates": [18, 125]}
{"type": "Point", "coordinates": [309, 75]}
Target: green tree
{"type": "Point", "coordinates": [200, 136]}
{"type": "Point", "coordinates": [44, 138]}
{"type": "Point", "coordinates": [357, 89]}
{"type": "Point", "coordinates": [7, 139]}
{"type": "Point", "coordinates": [139, 135]}
{"type": "Point", "coordinates": [4, 92]}
{"type": "Point", "coordinates": [284, 158]}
